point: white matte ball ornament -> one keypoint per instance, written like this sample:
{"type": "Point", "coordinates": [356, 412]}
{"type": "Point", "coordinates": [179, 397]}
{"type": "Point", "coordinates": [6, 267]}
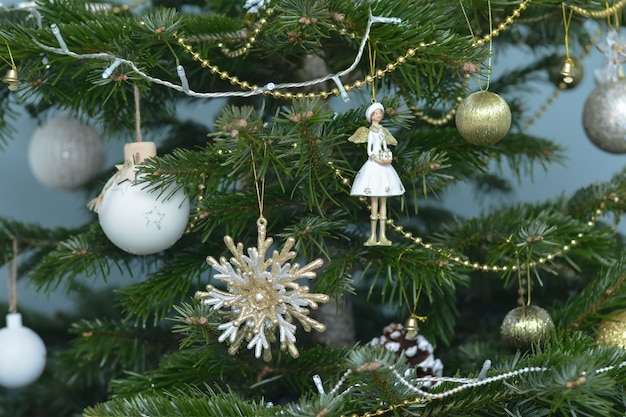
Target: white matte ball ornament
{"type": "Point", "coordinates": [65, 153]}
{"type": "Point", "coordinates": [604, 116]}
{"type": "Point", "coordinates": [142, 220]}
{"type": "Point", "coordinates": [22, 354]}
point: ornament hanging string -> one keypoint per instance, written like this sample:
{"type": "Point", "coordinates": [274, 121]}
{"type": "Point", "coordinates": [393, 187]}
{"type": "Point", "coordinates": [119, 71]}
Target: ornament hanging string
{"type": "Point", "coordinates": [372, 59]}
{"type": "Point", "coordinates": [413, 310]}
{"type": "Point", "coordinates": [127, 170]}
{"type": "Point", "coordinates": [469, 25]}
{"type": "Point", "coordinates": [521, 282]}
{"type": "Point", "coordinates": [260, 191]}
{"type": "Point", "coordinates": [12, 63]}
{"type": "Point", "coordinates": [615, 12]}
{"type": "Point", "coordinates": [139, 138]}
{"type": "Point", "coordinates": [490, 45]}
{"type": "Point", "coordinates": [11, 77]}
{"type": "Point", "coordinates": [566, 23]}
{"type": "Point", "coordinates": [12, 279]}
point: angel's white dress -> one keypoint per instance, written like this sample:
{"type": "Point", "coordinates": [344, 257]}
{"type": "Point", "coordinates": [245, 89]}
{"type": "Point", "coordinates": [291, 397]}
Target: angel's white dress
{"type": "Point", "coordinates": [374, 179]}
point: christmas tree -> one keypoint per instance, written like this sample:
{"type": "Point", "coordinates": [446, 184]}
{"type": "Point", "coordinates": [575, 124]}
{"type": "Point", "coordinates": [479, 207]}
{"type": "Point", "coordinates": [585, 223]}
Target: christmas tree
{"type": "Point", "coordinates": [291, 258]}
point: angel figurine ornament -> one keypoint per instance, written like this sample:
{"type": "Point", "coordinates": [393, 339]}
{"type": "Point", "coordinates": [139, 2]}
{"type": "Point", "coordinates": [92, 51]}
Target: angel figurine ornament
{"type": "Point", "coordinates": [377, 178]}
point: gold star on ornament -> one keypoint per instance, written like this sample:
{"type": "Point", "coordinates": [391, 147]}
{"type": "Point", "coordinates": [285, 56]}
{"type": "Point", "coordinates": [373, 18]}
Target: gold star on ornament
{"type": "Point", "coordinates": [262, 296]}
{"type": "Point", "coordinates": [125, 172]}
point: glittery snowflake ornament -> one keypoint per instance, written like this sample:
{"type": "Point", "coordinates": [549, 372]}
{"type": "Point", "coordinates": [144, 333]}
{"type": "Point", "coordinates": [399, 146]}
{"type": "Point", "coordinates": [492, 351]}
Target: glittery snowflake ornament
{"type": "Point", "coordinates": [262, 296]}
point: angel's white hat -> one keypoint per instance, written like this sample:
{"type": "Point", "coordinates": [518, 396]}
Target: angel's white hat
{"type": "Point", "coordinates": [371, 108]}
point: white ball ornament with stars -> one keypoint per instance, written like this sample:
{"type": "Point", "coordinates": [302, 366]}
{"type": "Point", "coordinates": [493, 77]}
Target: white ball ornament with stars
{"type": "Point", "coordinates": [65, 153]}
{"type": "Point", "coordinates": [138, 218]}
{"type": "Point", "coordinates": [22, 354]}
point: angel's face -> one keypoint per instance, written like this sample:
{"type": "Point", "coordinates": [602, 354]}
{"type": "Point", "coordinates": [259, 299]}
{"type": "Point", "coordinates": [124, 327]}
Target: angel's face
{"type": "Point", "coordinates": [377, 115]}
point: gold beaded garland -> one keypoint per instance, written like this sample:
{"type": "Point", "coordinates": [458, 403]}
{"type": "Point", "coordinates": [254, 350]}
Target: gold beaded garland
{"type": "Point", "coordinates": [509, 20]}
{"type": "Point", "coordinates": [369, 79]}
{"type": "Point", "coordinates": [244, 85]}
{"type": "Point", "coordinates": [484, 267]}
{"type": "Point", "coordinates": [599, 14]}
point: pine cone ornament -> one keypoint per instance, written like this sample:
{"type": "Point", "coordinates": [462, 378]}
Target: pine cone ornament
{"type": "Point", "coordinates": [417, 350]}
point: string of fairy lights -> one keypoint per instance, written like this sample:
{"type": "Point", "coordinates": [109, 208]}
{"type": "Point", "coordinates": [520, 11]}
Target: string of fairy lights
{"type": "Point", "coordinates": [272, 89]}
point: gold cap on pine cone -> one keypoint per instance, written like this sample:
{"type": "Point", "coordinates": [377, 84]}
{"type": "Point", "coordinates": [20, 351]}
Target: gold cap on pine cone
{"type": "Point", "coordinates": [526, 325]}
{"type": "Point", "coordinates": [612, 332]}
{"type": "Point", "coordinates": [483, 118]}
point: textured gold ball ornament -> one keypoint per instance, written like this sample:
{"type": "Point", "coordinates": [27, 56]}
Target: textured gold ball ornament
{"type": "Point", "coordinates": [525, 325]}
{"type": "Point", "coordinates": [604, 116]}
{"type": "Point", "coordinates": [612, 332]}
{"type": "Point", "coordinates": [483, 118]}
{"type": "Point", "coordinates": [565, 73]}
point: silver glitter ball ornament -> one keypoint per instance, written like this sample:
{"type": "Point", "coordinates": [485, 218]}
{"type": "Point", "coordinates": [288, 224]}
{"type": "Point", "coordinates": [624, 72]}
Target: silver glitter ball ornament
{"type": "Point", "coordinates": [66, 153]}
{"type": "Point", "coordinates": [604, 116]}
{"type": "Point", "coordinates": [525, 325]}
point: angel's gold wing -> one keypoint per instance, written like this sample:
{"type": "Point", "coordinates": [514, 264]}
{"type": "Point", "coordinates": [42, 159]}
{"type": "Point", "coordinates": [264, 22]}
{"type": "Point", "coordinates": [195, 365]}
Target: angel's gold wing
{"type": "Point", "coordinates": [360, 136]}
{"type": "Point", "coordinates": [389, 139]}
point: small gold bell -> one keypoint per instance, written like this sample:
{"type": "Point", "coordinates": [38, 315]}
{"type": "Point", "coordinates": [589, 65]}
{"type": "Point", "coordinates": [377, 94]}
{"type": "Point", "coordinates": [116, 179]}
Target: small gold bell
{"type": "Point", "coordinates": [411, 326]}
{"type": "Point", "coordinates": [567, 71]}
{"type": "Point", "coordinates": [11, 79]}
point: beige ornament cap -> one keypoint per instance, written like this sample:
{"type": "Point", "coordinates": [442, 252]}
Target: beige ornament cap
{"type": "Point", "coordinates": [139, 151]}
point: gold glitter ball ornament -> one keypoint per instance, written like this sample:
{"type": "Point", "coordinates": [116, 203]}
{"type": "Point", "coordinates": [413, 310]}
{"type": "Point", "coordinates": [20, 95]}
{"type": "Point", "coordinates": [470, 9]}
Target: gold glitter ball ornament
{"type": "Point", "coordinates": [525, 325]}
{"type": "Point", "coordinates": [612, 332]}
{"type": "Point", "coordinates": [483, 118]}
